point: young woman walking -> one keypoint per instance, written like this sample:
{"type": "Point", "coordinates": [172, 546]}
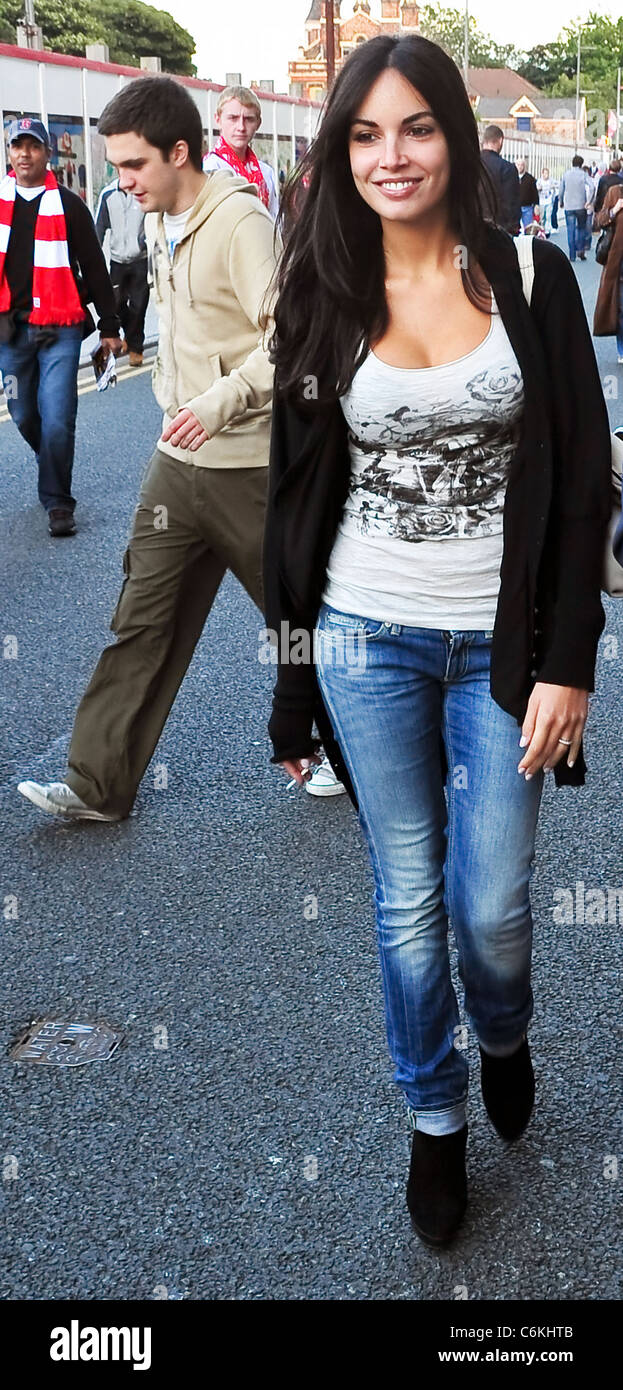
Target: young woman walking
{"type": "Point", "coordinates": [439, 495]}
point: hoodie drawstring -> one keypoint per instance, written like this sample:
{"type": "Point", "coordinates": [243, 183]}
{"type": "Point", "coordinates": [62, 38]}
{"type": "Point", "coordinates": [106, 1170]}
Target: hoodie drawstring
{"type": "Point", "coordinates": [191, 301]}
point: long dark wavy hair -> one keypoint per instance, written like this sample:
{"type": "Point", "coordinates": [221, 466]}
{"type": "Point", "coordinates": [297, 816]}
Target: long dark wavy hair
{"type": "Point", "coordinates": [330, 284]}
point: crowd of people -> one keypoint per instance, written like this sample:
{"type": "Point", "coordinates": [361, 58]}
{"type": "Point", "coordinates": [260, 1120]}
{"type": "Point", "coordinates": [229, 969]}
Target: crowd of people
{"type": "Point", "coordinates": [358, 427]}
{"type": "Point", "coordinates": [531, 204]}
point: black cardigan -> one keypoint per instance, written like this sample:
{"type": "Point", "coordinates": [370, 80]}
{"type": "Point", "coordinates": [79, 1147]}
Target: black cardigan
{"type": "Point", "coordinates": [557, 506]}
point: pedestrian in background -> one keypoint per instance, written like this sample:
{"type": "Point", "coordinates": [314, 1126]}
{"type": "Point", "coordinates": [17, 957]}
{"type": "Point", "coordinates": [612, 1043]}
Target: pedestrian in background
{"type": "Point", "coordinates": [546, 189]}
{"type": "Point", "coordinates": [202, 497]}
{"type": "Point", "coordinates": [528, 193]}
{"type": "Point", "coordinates": [609, 179]}
{"type": "Point", "coordinates": [51, 268]}
{"type": "Point", "coordinates": [608, 316]}
{"type": "Point", "coordinates": [436, 522]}
{"type": "Point", "coordinates": [505, 179]}
{"type": "Point", "coordinates": [239, 116]}
{"type": "Point", "coordinates": [575, 193]}
{"type": "Point", "coordinates": [119, 215]}
{"type": "Point", "coordinates": [590, 210]}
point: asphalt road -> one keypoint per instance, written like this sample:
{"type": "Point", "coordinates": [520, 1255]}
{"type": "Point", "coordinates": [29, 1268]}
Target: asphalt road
{"type": "Point", "coordinates": [257, 1148]}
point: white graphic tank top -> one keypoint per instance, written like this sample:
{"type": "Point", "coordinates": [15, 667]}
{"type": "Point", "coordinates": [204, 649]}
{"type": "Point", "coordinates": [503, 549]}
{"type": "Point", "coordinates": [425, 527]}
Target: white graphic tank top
{"type": "Point", "coordinates": [420, 540]}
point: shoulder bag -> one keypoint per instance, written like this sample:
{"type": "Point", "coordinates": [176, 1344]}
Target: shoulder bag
{"type": "Point", "coordinates": [603, 244]}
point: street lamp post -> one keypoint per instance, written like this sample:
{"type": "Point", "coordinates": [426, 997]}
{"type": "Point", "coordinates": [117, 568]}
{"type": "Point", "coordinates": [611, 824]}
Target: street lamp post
{"type": "Point", "coordinates": [330, 32]}
{"type": "Point", "coordinates": [588, 47]}
{"type": "Point", "coordinates": [466, 45]}
{"type": "Point", "coordinates": [618, 145]}
{"type": "Point", "coordinates": [577, 95]}
{"type": "Point", "coordinates": [28, 32]}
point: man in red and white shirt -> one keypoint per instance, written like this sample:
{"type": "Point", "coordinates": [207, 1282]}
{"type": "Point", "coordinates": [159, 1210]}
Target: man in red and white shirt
{"type": "Point", "coordinates": [51, 267]}
{"type": "Point", "coordinates": [238, 117]}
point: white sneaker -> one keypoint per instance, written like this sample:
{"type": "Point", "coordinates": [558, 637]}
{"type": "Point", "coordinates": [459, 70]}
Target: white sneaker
{"type": "Point", "coordinates": [58, 800]}
{"type": "Point", "coordinates": [324, 781]}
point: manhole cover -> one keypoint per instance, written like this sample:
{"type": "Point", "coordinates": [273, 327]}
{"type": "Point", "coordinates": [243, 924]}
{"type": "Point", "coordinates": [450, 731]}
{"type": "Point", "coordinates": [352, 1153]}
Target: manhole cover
{"type": "Point", "coordinates": [65, 1044]}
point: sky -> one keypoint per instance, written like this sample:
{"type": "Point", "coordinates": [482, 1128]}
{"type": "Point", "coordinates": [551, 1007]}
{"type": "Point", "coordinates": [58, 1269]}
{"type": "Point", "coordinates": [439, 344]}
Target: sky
{"type": "Point", "coordinates": [257, 37]}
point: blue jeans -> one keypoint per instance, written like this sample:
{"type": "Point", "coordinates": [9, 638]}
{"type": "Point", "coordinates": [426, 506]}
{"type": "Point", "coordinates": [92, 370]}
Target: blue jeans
{"type": "Point", "coordinates": [527, 215]}
{"type": "Point", "coordinates": [462, 852]}
{"type": "Point", "coordinates": [576, 231]}
{"type": "Point", "coordinates": [588, 234]}
{"type": "Point", "coordinates": [41, 386]}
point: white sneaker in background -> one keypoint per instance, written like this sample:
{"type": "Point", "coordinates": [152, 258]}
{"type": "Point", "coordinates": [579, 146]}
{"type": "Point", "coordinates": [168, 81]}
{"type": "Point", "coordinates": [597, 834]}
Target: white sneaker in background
{"type": "Point", "coordinates": [324, 781]}
{"type": "Point", "coordinates": [58, 800]}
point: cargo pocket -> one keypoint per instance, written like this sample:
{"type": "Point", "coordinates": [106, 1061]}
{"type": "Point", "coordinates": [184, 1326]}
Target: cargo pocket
{"type": "Point", "coordinates": [126, 575]}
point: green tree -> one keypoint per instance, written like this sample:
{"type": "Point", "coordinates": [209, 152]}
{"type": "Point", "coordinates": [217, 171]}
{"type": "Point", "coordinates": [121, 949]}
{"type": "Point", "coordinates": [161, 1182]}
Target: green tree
{"type": "Point", "coordinates": [130, 29]}
{"type": "Point", "coordinates": [135, 29]}
{"type": "Point", "coordinates": [447, 28]}
{"type": "Point", "coordinates": [544, 64]}
{"type": "Point", "coordinates": [553, 66]}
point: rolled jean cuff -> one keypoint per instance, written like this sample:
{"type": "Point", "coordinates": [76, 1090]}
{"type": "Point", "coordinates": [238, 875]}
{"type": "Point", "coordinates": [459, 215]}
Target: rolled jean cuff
{"type": "Point", "coordinates": [439, 1121]}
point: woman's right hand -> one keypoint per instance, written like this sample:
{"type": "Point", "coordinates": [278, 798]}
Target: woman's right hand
{"type": "Point", "coordinates": [616, 208]}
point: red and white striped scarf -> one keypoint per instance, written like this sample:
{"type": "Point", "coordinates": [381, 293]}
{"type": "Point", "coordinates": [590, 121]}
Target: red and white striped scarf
{"type": "Point", "coordinates": [55, 297]}
{"type": "Point", "coordinates": [249, 169]}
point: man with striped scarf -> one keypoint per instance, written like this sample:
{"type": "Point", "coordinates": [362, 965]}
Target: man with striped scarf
{"type": "Point", "coordinates": [51, 267]}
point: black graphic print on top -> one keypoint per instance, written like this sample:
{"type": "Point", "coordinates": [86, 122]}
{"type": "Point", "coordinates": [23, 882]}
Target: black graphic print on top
{"type": "Point", "coordinates": [436, 466]}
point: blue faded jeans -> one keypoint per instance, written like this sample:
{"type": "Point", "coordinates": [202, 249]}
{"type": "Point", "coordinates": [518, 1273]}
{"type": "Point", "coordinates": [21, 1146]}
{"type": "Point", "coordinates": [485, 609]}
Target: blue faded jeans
{"type": "Point", "coordinates": [576, 232]}
{"type": "Point", "coordinates": [460, 852]}
{"type": "Point", "coordinates": [40, 383]}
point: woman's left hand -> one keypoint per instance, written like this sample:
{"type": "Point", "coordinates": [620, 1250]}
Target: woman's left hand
{"type": "Point", "coordinates": [554, 713]}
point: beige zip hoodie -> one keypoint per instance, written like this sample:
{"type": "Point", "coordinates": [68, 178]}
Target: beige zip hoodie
{"type": "Point", "coordinates": [212, 352]}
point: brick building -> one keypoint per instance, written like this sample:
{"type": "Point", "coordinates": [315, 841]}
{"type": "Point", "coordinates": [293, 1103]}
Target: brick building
{"type": "Point", "coordinates": [307, 74]}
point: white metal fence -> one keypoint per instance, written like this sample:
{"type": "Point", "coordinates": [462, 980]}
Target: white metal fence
{"type": "Point", "coordinates": [69, 94]}
{"type": "Point", "coordinates": [545, 154]}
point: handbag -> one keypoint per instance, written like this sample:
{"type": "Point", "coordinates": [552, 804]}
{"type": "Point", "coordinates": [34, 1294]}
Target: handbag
{"type": "Point", "coordinates": [603, 244]}
{"type": "Point", "coordinates": [612, 571]}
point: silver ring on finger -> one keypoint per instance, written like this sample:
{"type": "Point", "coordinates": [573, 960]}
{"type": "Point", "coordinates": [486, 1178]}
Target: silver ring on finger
{"type": "Point", "coordinates": [567, 742]}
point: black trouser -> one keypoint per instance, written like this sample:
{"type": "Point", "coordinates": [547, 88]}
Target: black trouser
{"type": "Point", "coordinates": [129, 279]}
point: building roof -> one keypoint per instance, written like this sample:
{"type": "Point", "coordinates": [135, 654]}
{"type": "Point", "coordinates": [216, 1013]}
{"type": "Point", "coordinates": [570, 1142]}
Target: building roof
{"type": "Point", "coordinates": [315, 11]}
{"type": "Point", "coordinates": [499, 82]}
{"type": "Point", "coordinates": [562, 107]}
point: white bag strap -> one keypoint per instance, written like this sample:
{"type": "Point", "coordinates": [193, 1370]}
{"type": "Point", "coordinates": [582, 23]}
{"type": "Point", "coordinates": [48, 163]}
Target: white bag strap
{"type": "Point", "coordinates": [524, 246]}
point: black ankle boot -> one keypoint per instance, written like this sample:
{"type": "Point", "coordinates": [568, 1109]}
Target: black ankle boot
{"type": "Point", "coordinates": [437, 1186]}
{"type": "Point", "coordinates": [508, 1090]}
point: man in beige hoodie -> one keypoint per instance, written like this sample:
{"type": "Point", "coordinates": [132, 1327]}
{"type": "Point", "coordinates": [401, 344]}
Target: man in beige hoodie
{"type": "Point", "coordinates": [201, 507]}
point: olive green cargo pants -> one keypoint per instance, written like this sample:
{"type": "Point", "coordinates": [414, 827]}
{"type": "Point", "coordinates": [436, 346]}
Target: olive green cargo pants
{"type": "Point", "coordinates": [190, 526]}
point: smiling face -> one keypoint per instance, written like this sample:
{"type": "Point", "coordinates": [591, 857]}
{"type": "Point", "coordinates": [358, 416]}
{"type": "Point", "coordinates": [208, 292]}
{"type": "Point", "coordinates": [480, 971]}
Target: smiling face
{"type": "Point", "coordinates": [238, 125]}
{"type": "Point", "coordinates": [399, 155]}
{"type": "Point", "coordinates": [29, 159]}
{"type": "Point", "coordinates": [143, 171]}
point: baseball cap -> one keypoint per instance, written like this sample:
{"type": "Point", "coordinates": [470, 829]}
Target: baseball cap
{"type": "Point", "coordinates": [27, 125]}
